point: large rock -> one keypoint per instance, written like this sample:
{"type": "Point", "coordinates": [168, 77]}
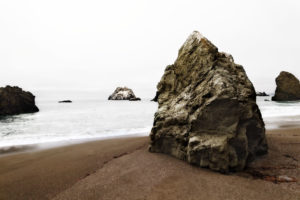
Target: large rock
{"type": "Point", "coordinates": [13, 100]}
{"type": "Point", "coordinates": [123, 93]}
{"type": "Point", "coordinates": [288, 87]}
{"type": "Point", "coordinates": [207, 113]}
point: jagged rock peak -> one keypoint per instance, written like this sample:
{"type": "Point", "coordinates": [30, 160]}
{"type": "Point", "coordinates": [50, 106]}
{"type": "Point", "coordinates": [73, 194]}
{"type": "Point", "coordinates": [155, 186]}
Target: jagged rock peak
{"type": "Point", "coordinates": [207, 113]}
{"type": "Point", "coordinates": [195, 40]}
{"type": "Point", "coordinates": [194, 37]}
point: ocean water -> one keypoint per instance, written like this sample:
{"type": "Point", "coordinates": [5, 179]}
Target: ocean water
{"type": "Point", "coordinates": [279, 114]}
{"type": "Point", "coordinates": [92, 116]}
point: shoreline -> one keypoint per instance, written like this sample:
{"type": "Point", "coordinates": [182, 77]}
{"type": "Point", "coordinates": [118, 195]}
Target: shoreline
{"type": "Point", "coordinates": [282, 122]}
{"type": "Point", "coordinates": [23, 148]}
{"type": "Point", "coordinates": [115, 168]}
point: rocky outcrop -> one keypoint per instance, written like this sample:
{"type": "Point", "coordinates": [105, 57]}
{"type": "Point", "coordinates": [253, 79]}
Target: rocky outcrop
{"type": "Point", "coordinates": [207, 113]}
{"type": "Point", "coordinates": [13, 100]}
{"type": "Point", "coordinates": [288, 87]}
{"type": "Point", "coordinates": [262, 94]}
{"type": "Point", "coordinates": [65, 101]}
{"type": "Point", "coordinates": [123, 93]}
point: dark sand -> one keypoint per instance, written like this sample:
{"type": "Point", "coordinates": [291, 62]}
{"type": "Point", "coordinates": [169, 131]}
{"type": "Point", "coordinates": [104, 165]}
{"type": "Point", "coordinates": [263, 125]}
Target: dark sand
{"type": "Point", "coordinates": [124, 169]}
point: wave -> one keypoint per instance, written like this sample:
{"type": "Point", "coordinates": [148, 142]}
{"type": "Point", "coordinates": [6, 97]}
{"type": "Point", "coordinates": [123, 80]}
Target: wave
{"type": "Point", "coordinates": [33, 139]}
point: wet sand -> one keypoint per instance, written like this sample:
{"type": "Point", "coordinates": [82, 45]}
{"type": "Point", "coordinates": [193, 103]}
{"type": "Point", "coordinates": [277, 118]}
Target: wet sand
{"type": "Point", "coordinates": [124, 169]}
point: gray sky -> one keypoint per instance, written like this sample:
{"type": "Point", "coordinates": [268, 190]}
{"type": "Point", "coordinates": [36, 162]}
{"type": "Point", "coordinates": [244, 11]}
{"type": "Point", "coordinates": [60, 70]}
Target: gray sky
{"type": "Point", "coordinates": [69, 44]}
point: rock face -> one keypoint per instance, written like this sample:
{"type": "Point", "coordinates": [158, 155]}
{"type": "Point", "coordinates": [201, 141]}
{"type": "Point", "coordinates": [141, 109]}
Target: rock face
{"type": "Point", "coordinates": [123, 93]}
{"type": "Point", "coordinates": [13, 100]}
{"type": "Point", "coordinates": [288, 87]}
{"type": "Point", "coordinates": [207, 112]}
{"type": "Point", "coordinates": [262, 94]}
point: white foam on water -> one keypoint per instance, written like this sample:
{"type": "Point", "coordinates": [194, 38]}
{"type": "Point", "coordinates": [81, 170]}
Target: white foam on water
{"type": "Point", "coordinates": [101, 119]}
{"type": "Point", "coordinates": [47, 139]}
{"type": "Point", "coordinates": [278, 114]}
{"type": "Point", "coordinates": [81, 120]}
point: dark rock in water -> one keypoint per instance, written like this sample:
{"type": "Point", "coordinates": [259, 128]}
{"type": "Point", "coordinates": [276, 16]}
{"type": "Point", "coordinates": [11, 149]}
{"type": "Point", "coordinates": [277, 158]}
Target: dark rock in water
{"type": "Point", "coordinates": [262, 94]}
{"type": "Point", "coordinates": [13, 100]}
{"type": "Point", "coordinates": [155, 98]}
{"type": "Point", "coordinates": [123, 93]}
{"type": "Point", "coordinates": [135, 99]}
{"type": "Point", "coordinates": [266, 100]}
{"type": "Point", "coordinates": [207, 113]}
{"type": "Point", "coordinates": [65, 101]}
{"type": "Point", "coordinates": [288, 87]}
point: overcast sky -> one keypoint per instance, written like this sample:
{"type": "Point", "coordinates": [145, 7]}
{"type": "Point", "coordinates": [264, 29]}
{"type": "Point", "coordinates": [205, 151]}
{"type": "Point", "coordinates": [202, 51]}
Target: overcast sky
{"type": "Point", "coordinates": [71, 44]}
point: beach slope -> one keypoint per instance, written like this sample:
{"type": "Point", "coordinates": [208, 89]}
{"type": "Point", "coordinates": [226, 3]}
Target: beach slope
{"type": "Point", "coordinates": [124, 169]}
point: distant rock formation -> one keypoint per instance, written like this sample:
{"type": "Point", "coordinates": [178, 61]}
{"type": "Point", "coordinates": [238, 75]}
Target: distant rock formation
{"type": "Point", "coordinates": [123, 93]}
{"type": "Point", "coordinates": [65, 101]}
{"type": "Point", "coordinates": [13, 100]}
{"type": "Point", "coordinates": [262, 94]}
{"type": "Point", "coordinates": [207, 113]}
{"type": "Point", "coordinates": [288, 87]}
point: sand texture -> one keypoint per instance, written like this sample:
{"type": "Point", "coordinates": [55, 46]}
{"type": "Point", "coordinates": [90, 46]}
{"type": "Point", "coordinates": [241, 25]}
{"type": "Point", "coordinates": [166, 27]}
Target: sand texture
{"type": "Point", "coordinates": [124, 169]}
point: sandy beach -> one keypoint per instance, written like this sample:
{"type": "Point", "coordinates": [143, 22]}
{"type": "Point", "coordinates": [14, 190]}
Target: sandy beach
{"type": "Point", "coordinates": [124, 169]}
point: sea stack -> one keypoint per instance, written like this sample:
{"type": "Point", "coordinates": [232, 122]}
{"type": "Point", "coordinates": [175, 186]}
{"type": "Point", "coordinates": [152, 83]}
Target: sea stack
{"type": "Point", "coordinates": [13, 100]}
{"type": "Point", "coordinates": [123, 93]}
{"type": "Point", "coordinates": [207, 113]}
{"type": "Point", "coordinates": [288, 87]}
